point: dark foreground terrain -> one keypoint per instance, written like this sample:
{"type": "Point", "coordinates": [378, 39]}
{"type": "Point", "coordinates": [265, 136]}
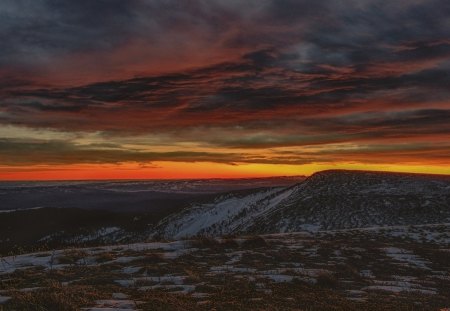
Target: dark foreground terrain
{"type": "Point", "coordinates": [339, 240]}
{"type": "Point", "coordinates": [395, 268]}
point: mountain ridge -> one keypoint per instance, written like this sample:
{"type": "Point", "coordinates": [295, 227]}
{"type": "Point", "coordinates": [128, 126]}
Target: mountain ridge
{"type": "Point", "coordinates": [327, 200]}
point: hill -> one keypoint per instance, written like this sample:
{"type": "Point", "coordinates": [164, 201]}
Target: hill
{"type": "Point", "coordinates": [327, 200]}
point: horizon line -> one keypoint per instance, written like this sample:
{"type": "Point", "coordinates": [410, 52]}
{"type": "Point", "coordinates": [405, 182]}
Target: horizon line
{"type": "Point", "coordinates": [221, 178]}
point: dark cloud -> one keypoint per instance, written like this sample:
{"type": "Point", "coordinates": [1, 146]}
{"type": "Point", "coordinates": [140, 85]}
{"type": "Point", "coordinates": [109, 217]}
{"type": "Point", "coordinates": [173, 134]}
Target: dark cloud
{"type": "Point", "coordinates": [242, 90]}
{"type": "Point", "coordinates": [37, 30]}
{"type": "Point", "coordinates": [17, 152]}
{"type": "Point", "coordinates": [341, 33]}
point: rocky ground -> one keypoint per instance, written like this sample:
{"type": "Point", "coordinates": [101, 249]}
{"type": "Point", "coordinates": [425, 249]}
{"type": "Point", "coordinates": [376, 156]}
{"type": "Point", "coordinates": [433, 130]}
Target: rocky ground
{"type": "Point", "coordinates": [390, 268]}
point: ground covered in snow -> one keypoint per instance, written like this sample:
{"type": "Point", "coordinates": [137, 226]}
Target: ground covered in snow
{"type": "Point", "coordinates": [391, 268]}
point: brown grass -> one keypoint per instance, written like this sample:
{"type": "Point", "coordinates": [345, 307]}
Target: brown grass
{"type": "Point", "coordinates": [55, 297]}
{"type": "Point", "coordinates": [205, 242]}
{"type": "Point", "coordinates": [254, 242]}
{"type": "Point", "coordinates": [327, 280]}
{"type": "Point", "coordinates": [104, 257]}
{"type": "Point", "coordinates": [71, 256]}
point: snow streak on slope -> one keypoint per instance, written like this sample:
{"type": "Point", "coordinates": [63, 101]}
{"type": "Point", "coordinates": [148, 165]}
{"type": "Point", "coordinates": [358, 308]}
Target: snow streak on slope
{"type": "Point", "coordinates": [327, 200]}
{"type": "Point", "coordinates": [224, 216]}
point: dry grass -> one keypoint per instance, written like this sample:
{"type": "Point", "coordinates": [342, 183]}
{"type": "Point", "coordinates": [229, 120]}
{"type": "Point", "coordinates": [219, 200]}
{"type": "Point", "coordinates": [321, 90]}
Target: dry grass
{"type": "Point", "coordinates": [193, 276]}
{"type": "Point", "coordinates": [205, 242]}
{"type": "Point", "coordinates": [71, 256]}
{"type": "Point", "coordinates": [55, 297]}
{"type": "Point", "coordinates": [104, 257]}
{"type": "Point", "coordinates": [327, 280]}
{"type": "Point", "coordinates": [254, 242]}
{"type": "Point", "coordinates": [230, 289]}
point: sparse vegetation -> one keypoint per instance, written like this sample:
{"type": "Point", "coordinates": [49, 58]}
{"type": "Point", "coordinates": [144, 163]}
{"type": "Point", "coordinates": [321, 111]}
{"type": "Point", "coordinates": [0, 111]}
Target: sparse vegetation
{"type": "Point", "coordinates": [254, 242]}
{"type": "Point", "coordinates": [104, 257]}
{"type": "Point", "coordinates": [54, 297]}
{"type": "Point", "coordinates": [327, 280]}
{"type": "Point", "coordinates": [339, 271]}
{"type": "Point", "coordinates": [71, 256]}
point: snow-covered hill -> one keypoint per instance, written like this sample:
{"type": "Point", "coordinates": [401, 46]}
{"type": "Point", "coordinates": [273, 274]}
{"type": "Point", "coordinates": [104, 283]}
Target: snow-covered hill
{"type": "Point", "coordinates": [327, 200]}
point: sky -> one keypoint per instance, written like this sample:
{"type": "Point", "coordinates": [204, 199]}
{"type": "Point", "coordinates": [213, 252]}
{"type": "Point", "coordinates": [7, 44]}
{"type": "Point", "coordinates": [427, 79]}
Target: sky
{"type": "Point", "coordinates": [105, 89]}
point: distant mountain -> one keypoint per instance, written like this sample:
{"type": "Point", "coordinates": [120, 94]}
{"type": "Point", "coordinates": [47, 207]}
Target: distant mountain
{"type": "Point", "coordinates": [327, 200]}
{"type": "Point", "coordinates": [41, 215]}
{"type": "Point", "coordinates": [126, 196]}
{"type": "Point", "coordinates": [108, 212]}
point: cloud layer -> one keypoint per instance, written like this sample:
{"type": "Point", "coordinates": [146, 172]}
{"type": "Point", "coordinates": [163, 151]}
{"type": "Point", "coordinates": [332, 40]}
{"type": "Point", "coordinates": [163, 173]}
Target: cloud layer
{"type": "Point", "coordinates": [275, 82]}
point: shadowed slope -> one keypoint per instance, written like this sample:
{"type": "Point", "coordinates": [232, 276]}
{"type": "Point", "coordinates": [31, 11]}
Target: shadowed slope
{"type": "Point", "coordinates": [327, 200]}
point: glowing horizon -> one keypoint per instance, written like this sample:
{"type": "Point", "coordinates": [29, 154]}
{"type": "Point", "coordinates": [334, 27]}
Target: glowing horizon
{"type": "Point", "coordinates": [199, 171]}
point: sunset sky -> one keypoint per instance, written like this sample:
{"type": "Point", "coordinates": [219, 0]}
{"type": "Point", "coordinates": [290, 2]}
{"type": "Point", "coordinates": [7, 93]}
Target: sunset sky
{"type": "Point", "coordinates": [93, 89]}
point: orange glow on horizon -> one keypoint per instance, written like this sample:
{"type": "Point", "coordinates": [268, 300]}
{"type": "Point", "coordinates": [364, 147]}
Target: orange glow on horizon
{"type": "Point", "coordinates": [196, 170]}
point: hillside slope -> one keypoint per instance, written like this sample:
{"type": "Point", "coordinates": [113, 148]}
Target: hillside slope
{"type": "Point", "coordinates": [328, 200]}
